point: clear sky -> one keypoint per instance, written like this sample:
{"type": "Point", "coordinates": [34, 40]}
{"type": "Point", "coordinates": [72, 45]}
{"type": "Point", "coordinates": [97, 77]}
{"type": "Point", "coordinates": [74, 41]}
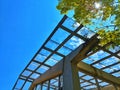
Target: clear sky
{"type": "Point", "coordinates": [24, 26]}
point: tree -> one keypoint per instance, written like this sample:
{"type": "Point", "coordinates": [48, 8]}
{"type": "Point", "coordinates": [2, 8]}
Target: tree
{"type": "Point", "coordinates": [88, 12]}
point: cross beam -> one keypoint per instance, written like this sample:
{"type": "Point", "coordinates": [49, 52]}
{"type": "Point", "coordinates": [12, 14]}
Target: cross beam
{"type": "Point", "coordinates": [98, 73]}
{"type": "Point", "coordinates": [49, 74]}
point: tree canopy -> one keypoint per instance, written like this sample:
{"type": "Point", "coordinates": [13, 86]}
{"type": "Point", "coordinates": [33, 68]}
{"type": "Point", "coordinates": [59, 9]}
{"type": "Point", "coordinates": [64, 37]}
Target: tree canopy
{"type": "Point", "coordinates": [105, 13]}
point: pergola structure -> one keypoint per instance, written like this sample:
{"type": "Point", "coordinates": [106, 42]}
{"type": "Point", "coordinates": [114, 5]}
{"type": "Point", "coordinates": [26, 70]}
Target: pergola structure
{"type": "Point", "coordinates": [68, 60]}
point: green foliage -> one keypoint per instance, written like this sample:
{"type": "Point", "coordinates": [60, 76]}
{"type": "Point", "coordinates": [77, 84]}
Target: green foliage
{"type": "Point", "coordinates": [86, 10]}
{"type": "Point", "coordinates": [109, 37]}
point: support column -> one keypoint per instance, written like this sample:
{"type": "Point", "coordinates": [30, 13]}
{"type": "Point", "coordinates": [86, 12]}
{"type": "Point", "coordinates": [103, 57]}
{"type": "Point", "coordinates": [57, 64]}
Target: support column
{"type": "Point", "coordinates": [59, 83]}
{"type": "Point", "coordinates": [97, 83]}
{"type": "Point", "coordinates": [70, 76]}
{"type": "Point", "coordinates": [48, 85]}
{"type": "Point", "coordinates": [41, 86]}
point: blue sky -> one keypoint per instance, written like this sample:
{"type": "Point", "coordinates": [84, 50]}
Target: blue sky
{"type": "Point", "coordinates": [24, 26]}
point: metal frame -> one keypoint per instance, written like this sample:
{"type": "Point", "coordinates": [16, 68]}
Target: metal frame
{"type": "Point", "coordinates": [71, 64]}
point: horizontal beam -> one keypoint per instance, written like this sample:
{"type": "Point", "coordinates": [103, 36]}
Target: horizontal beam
{"type": "Point", "coordinates": [98, 73]}
{"type": "Point", "coordinates": [51, 73]}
